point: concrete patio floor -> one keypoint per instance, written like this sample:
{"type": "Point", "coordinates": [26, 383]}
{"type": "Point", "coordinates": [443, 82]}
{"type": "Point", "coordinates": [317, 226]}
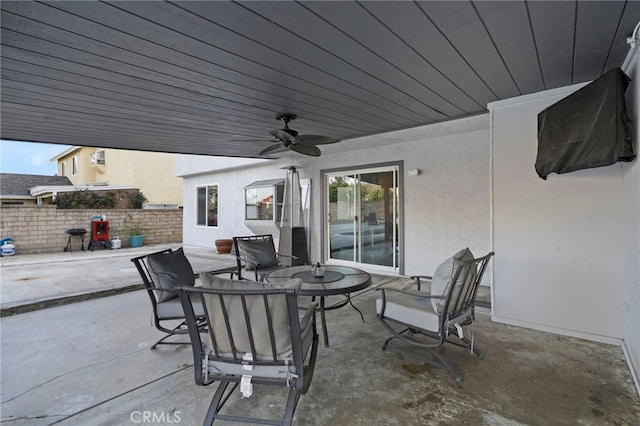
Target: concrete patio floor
{"type": "Point", "coordinates": [89, 362]}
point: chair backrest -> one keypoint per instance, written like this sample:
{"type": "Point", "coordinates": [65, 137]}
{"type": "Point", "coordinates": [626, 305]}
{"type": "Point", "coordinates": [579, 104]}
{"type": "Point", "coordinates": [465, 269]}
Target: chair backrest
{"type": "Point", "coordinates": [162, 271]}
{"type": "Point", "coordinates": [255, 252]}
{"type": "Point", "coordinates": [145, 273]}
{"type": "Point", "coordinates": [248, 324]}
{"type": "Point", "coordinates": [460, 298]}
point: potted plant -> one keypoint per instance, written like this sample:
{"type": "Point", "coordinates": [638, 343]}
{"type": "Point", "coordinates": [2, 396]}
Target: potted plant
{"type": "Point", "coordinates": [134, 229]}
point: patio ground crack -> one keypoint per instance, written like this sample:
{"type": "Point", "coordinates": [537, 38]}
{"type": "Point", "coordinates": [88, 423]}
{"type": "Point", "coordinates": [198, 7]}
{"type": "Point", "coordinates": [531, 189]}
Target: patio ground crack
{"type": "Point", "coordinates": [71, 372]}
{"type": "Point", "coordinates": [185, 367]}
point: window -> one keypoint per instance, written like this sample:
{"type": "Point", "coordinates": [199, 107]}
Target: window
{"type": "Point", "coordinates": [207, 205]}
{"type": "Point", "coordinates": [263, 200]}
{"type": "Point", "coordinates": [97, 158]}
{"type": "Point", "coordinates": [63, 169]}
{"type": "Point", "coordinates": [74, 166]}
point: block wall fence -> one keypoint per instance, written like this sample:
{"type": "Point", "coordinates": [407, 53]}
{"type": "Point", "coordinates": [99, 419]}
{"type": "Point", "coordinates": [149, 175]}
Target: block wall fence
{"type": "Point", "coordinates": [43, 229]}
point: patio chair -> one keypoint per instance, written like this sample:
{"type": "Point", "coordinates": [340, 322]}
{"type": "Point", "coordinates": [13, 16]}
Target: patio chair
{"type": "Point", "coordinates": [431, 319]}
{"type": "Point", "coordinates": [161, 272]}
{"type": "Point", "coordinates": [255, 337]}
{"type": "Point", "coordinates": [256, 255]}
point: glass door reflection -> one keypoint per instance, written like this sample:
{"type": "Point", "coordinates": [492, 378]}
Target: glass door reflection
{"type": "Point", "coordinates": [362, 216]}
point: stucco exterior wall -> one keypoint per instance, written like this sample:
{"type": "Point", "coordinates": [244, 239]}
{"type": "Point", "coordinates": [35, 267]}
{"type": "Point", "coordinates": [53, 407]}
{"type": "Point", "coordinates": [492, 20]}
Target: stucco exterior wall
{"type": "Point", "coordinates": [631, 208]}
{"type": "Point", "coordinates": [42, 229]}
{"type": "Point", "coordinates": [153, 173]}
{"type": "Point", "coordinates": [446, 207]}
{"type": "Point", "coordinates": [559, 243]}
{"type": "Point", "coordinates": [444, 210]}
{"type": "Point", "coordinates": [84, 173]}
{"type": "Point", "coordinates": [567, 249]}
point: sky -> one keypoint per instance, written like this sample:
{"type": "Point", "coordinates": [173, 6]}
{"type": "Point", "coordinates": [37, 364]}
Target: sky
{"type": "Point", "coordinates": [29, 157]}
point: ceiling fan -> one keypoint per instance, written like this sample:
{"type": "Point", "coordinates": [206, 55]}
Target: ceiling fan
{"type": "Point", "coordinates": [290, 139]}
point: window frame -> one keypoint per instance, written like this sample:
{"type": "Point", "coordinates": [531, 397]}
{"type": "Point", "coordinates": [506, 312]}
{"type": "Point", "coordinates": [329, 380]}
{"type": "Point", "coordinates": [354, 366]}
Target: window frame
{"type": "Point", "coordinates": [74, 165]}
{"type": "Point", "coordinates": [276, 205]}
{"type": "Point", "coordinates": [97, 158]}
{"type": "Point", "coordinates": [200, 214]}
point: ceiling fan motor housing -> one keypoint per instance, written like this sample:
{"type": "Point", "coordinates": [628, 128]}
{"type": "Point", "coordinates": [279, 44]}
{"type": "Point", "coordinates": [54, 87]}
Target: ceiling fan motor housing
{"type": "Point", "coordinates": [286, 118]}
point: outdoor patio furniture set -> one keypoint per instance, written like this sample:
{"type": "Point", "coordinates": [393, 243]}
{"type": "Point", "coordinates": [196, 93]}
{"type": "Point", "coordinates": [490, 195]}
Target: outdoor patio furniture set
{"type": "Point", "coordinates": [253, 332]}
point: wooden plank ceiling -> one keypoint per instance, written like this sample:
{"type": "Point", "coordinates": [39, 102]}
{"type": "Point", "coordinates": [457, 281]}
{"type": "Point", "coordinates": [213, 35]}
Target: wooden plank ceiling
{"type": "Point", "coordinates": [210, 77]}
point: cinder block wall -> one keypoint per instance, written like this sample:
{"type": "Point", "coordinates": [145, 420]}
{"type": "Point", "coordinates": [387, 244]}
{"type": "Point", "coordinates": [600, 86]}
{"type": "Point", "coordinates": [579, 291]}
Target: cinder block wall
{"type": "Point", "coordinates": [43, 229]}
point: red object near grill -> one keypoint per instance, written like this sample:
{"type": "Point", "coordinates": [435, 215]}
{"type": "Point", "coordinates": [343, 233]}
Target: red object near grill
{"type": "Point", "coordinates": [99, 234]}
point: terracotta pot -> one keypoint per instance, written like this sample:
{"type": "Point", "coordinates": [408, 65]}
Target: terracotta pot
{"type": "Point", "coordinates": [224, 246]}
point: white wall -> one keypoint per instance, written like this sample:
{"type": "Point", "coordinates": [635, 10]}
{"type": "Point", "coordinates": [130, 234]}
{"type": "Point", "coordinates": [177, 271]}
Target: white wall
{"type": "Point", "coordinates": [631, 207]}
{"type": "Point", "coordinates": [567, 249]}
{"type": "Point", "coordinates": [231, 205]}
{"type": "Point", "coordinates": [446, 207]}
{"type": "Point", "coordinates": [559, 243]}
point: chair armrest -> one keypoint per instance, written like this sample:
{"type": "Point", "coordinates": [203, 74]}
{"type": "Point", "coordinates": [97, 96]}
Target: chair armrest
{"type": "Point", "coordinates": [418, 277]}
{"type": "Point", "coordinates": [415, 293]}
{"type": "Point", "coordinates": [295, 258]}
{"type": "Point", "coordinates": [309, 315]}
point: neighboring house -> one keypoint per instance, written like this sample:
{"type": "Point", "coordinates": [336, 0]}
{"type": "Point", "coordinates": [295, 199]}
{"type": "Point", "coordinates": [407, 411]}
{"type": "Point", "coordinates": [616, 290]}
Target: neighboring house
{"type": "Point", "coordinates": [566, 247]}
{"type": "Point", "coordinates": [153, 173]}
{"type": "Point", "coordinates": [31, 189]}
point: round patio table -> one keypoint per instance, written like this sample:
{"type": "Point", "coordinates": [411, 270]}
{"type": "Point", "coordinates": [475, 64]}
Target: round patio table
{"type": "Point", "coordinates": [336, 280]}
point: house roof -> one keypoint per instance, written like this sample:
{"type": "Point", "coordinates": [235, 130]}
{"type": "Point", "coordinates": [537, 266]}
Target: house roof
{"type": "Point", "coordinates": [210, 77]}
{"type": "Point", "coordinates": [65, 153]}
{"type": "Point", "coordinates": [19, 185]}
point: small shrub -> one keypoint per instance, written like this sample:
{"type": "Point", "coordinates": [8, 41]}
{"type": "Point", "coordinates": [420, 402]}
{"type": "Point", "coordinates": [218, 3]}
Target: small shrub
{"type": "Point", "coordinates": [98, 200]}
{"type": "Point", "coordinates": [133, 227]}
{"type": "Point", "coordinates": [137, 200]}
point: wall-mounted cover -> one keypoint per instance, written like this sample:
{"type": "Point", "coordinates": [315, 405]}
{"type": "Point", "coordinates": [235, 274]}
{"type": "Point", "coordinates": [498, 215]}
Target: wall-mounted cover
{"type": "Point", "coordinates": [587, 129]}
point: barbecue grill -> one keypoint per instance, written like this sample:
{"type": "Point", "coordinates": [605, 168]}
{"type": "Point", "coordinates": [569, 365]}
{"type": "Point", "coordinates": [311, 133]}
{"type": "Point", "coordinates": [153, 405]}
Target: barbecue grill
{"type": "Point", "coordinates": [75, 232]}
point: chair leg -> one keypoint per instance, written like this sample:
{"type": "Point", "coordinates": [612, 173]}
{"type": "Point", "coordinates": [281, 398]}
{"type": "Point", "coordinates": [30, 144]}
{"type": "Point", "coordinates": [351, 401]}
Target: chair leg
{"type": "Point", "coordinates": [180, 329]}
{"type": "Point", "coordinates": [386, 342]}
{"type": "Point", "coordinates": [222, 394]}
{"type": "Point", "coordinates": [292, 402]}
{"type": "Point", "coordinates": [162, 341]}
{"type": "Point", "coordinates": [440, 361]}
{"type": "Point", "coordinates": [218, 400]}
{"type": "Point", "coordinates": [444, 364]}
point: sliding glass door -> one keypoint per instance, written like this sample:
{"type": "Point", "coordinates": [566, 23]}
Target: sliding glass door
{"type": "Point", "coordinates": [362, 217]}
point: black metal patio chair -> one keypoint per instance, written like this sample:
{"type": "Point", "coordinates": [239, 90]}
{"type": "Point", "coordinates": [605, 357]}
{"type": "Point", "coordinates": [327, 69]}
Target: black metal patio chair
{"type": "Point", "coordinates": [254, 336]}
{"type": "Point", "coordinates": [431, 319]}
{"type": "Point", "coordinates": [161, 272]}
{"type": "Point", "coordinates": [256, 255]}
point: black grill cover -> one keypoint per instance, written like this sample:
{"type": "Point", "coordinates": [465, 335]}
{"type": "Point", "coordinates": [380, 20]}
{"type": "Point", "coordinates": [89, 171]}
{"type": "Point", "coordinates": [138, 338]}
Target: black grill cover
{"type": "Point", "coordinates": [587, 129]}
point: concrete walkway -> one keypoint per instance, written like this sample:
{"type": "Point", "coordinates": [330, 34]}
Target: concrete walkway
{"type": "Point", "coordinates": [89, 363]}
{"type": "Point", "coordinates": [35, 281]}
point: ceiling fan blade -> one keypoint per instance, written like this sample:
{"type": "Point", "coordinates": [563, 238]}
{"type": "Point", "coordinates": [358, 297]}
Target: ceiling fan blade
{"type": "Point", "coordinates": [271, 148]}
{"type": "Point", "coordinates": [306, 149]}
{"type": "Point", "coordinates": [282, 135]}
{"type": "Point", "coordinates": [316, 139]}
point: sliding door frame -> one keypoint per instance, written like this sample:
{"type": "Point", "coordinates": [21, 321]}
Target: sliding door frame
{"type": "Point", "coordinates": [324, 205]}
